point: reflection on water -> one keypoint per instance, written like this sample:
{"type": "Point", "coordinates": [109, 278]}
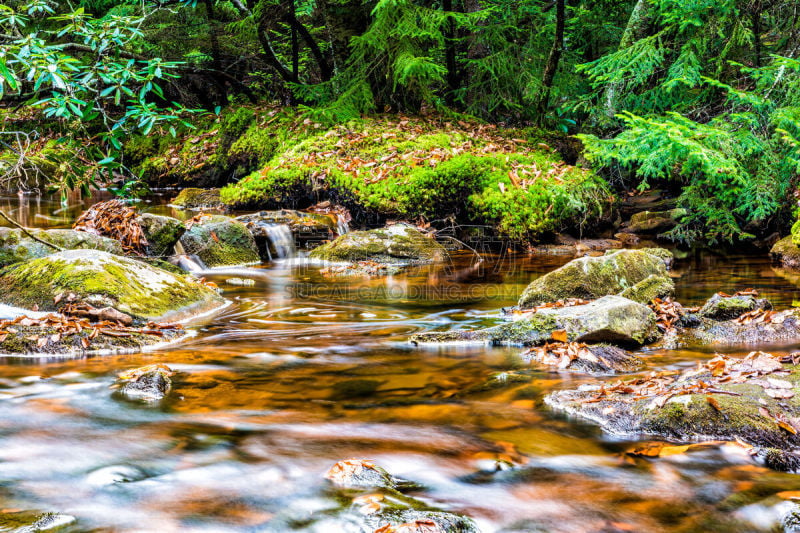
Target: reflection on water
{"type": "Point", "coordinates": [302, 371]}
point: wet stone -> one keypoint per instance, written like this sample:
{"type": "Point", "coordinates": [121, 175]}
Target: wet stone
{"type": "Point", "coordinates": [720, 307]}
{"type": "Point", "coordinates": [149, 383]}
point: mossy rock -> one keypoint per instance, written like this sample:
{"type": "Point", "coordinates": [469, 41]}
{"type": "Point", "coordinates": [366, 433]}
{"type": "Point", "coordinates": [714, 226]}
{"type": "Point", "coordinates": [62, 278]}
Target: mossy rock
{"type": "Point", "coordinates": [397, 244]}
{"type": "Point", "coordinates": [782, 328]}
{"type": "Point", "coordinates": [191, 198]}
{"type": "Point", "coordinates": [655, 221]}
{"type": "Point", "coordinates": [16, 247]}
{"type": "Point", "coordinates": [105, 280]}
{"type": "Point", "coordinates": [593, 277]}
{"type": "Point", "coordinates": [720, 307]}
{"type": "Point", "coordinates": [220, 241]}
{"type": "Point", "coordinates": [611, 319]}
{"type": "Point", "coordinates": [32, 521]}
{"type": "Point", "coordinates": [649, 289]}
{"type": "Point", "coordinates": [786, 252]}
{"type": "Point", "coordinates": [162, 233]}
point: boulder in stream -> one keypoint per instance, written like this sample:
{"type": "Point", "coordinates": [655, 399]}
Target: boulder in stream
{"type": "Point", "coordinates": [162, 233]}
{"type": "Point", "coordinates": [722, 307]}
{"type": "Point", "coordinates": [787, 253]}
{"type": "Point", "coordinates": [34, 521]}
{"type": "Point", "coordinates": [16, 246]}
{"type": "Point", "coordinates": [652, 222]}
{"type": "Point", "coordinates": [220, 241]}
{"type": "Point", "coordinates": [192, 198]}
{"type": "Point", "coordinates": [755, 399]}
{"type": "Point", "coordinates": [384, 509]}
{"type": "Point", "coordinates": [611, 319]}
{"type": "Point", "coordinates": [593, 277]}
{"type": "Point", "coordinates": [148, 383]}
{"type": "Point", "coordinates": [591, 359]}
{"type": "Point", "coordinates": [399, 245]}
{"type": "Point", "coordinates": [101, 279]}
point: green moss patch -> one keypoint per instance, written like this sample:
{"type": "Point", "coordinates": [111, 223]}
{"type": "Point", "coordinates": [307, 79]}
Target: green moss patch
{"type": "Point", "coordinates": [434, 168]}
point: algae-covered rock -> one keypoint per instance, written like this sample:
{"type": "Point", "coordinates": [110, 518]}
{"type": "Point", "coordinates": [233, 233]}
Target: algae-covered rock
{"type": "Point", "coordinates": [191, 198]}
{"type": "Point", "coordinates": [397, 244]}
{"type": "Point", "coordinates": [649, 289]}
{"type": "Point", "coordinates": [786, 252]}
{"type": "Point", "coordinates": [220, 241]}
{"type": "Point", "coordinates": [593, 277]}
{"type": "Point", "coordinates": [105, 280]}
{"type": "Point", "coordinates": [755, 400]}
{"type": "Point", "coordinates": [720, 307]}
{"type": "Point", "coordinates": [610, 319]}
{"type": "Point", "coordinates": [655, 221]}
{"type": "Point", "coordinates": [162, 233]}
{"type": "Point", "coordinates": [16, 247]}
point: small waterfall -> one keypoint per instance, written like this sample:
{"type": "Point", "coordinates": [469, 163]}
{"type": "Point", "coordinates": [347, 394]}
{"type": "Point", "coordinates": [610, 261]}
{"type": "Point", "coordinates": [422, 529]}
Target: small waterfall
{"type": "Point", "coordinates": [341, 224]}
{"type": "Point", "coordinates": [279, 240]}
{"type": "Point", "coordinates": [189, 263]}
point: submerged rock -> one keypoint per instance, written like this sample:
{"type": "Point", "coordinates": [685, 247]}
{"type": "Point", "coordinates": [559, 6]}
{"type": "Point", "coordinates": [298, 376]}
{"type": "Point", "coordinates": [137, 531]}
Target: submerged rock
{"type": "Point", "coordinates": [399, 244]}
{"type": "Point", "coordinates": [220, 241]}
{"type": "Point", "coordinates": [191, 198]}
{"type": "Point", "coordinates": [162, 233]}
{"type": "Point", "coordinates": [149, 383]}
{"type": "Point", "coordinates": [16, 247]}
{"type": "Point", "coordinates": [787, 253]}
{"type": "Point", "coordinates": [593, 277]}
{"type": "Point", "coordinates": [755, 399]}
{"type": "Point", "coordinates": [611, 319]}
{"type": "Point", "coordinates": [651, 222]}
{"type": "Point", "coordinates": [720, 307]}
{"type": "Point", "coordinates": [102, 280]}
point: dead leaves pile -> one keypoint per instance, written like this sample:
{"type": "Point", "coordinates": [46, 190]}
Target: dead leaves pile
{"type": "Point", "coordinates": [327, 208]}
{"type": "Point", "coordinates": [760, 316]}
{"type": "Point", "coordinates": [136, 373]}
{"type": "Point", "coordinates": [116, 220]}
{"type": "Point", "coordinates": [668, 313]}
{"type": "Point", "coordinates": [562, 354]}
{"type": "Point", "coordinates": [59, 327]}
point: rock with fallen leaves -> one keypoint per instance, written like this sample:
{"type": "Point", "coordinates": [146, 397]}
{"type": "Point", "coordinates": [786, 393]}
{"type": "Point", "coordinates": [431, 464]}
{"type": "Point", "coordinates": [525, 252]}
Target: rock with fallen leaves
{"type": "Point", "coordinates": [753, 328]}
{"type": "Point", "coordinates": [219, 241]}
{"type": "Point", "coordinates": [384, 508]}
{"type": "Point", "coordinates": [99, 279]}
{"type": "Point", "coordinates": [148, 383]}
{"type": "Point", "coordinates": [594, 277]}
{"type": "Point", "coordinates": [611, 319]}
{"type": "Point", "coordinates": [723, 306]}
{"type": "Point", "coordinates": [753, 399]}
{"type": "Point", "coordinates": [580, 357]}
{"type": "Point", "coordinates": [359, 473]}
{"type": "Point", "coordinates": [56, 334]}
{"type": "Point", "coordinates": [162, 233]}
{"type": "Point", "coordinates": [192, 198]}
{"type": "Point", "coordinates": [29, 521]}
{"type": "Point", "coordinates": [399, 245]}
{"type": "Point", "coordinates": [17, 247]}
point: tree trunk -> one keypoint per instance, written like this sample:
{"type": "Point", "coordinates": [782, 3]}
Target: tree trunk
{"type": "Point", "coordinates": [453, 78]}
{"type": "Point", "coordinates": [551, 66]}
{"type": "Point", "coordinates": [634, 30]}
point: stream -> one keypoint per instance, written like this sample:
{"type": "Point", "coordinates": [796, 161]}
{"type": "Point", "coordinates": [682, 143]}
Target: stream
{"type": "Point", "coordinates": [300, 372]}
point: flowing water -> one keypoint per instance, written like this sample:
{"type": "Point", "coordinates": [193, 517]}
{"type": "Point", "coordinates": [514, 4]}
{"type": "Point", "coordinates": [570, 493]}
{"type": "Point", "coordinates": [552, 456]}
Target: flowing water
{"type": "Point", "coordinates": [301, 372]}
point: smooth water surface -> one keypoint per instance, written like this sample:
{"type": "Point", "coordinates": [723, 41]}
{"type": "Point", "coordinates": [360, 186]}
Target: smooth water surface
{"type": "Point", "coordinates": [301, 372]}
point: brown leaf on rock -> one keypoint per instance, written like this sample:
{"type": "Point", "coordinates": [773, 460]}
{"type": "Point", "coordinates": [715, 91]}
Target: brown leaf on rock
{"type": "Point", "coordinates": [342, 471]}
{"type": "Point", "coordinates": [417, 526]}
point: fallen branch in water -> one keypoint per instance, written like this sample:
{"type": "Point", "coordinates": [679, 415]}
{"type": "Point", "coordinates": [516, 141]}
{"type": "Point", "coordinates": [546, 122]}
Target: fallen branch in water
{"type": "Point", "coordinates": [29, 234]}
